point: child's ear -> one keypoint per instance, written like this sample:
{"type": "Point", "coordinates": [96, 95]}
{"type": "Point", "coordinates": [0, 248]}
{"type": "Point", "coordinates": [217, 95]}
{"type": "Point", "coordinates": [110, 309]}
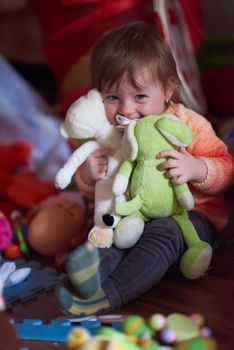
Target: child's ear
{"type": "Point", "coordinates": [170, 89]}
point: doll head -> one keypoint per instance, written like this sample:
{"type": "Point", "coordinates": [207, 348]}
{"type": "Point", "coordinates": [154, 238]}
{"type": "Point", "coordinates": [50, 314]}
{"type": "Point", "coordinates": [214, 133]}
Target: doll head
{"type": "Point", "coordinates": [58, 225]}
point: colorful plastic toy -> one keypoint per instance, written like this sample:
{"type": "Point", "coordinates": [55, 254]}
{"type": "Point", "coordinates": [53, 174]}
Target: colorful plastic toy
{"type": "Point", "coordinates": [40, 279]}
{"type": "Point", "coordinates": [58, 224]}
{"type": "Point", "coordinates": [5, 232]}
{"type": "Point", "coordinates": [181, 332]}
{"type": "Point", "coordinates": [19, 187]}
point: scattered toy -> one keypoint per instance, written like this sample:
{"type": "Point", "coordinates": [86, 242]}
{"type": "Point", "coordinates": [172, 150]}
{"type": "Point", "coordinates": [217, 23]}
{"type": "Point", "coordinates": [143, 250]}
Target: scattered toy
{"type": "Point", "coordinates": [39, 279]}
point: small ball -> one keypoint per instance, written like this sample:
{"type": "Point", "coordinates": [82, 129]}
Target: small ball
{"type": "Point", "coordinates": [136, 325]}
{"type": "Point", "coordinates": [198, 319]}
{"type": "Point", "coordinates": [157, 322]}
{"type": "Point", "coordinates": [168, 336]}
{"type": "Point", "coordinates": [78, 336]}
{"type": "Point", "coordinates": [206, 332]}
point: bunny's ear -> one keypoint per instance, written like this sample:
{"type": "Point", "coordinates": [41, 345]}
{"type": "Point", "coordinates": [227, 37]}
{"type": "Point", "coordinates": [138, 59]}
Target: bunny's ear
{"type": "Point", "coordinates": [174, 130]}
{"type": "Point", "coordinates": [129, 143]}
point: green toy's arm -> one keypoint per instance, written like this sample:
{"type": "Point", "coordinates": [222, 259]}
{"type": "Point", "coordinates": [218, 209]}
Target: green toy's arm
{"type": "Point", "coordinates": [184, 196]}
{"type": "Point", "coordinates": [121, 181]}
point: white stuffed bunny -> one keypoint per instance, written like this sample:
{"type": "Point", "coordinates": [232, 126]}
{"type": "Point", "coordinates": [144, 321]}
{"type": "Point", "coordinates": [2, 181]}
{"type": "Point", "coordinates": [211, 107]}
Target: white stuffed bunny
{"type": "Point", "coordinates": [86, 119]}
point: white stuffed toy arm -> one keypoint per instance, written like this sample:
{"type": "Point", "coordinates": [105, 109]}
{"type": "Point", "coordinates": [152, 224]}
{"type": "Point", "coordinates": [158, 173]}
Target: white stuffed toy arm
{"type": "Point", "coordinates": [78, 157]}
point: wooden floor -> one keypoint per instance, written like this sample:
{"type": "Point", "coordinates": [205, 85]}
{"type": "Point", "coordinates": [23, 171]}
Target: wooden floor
{"type": "Point", "coordinates": [212, 296]}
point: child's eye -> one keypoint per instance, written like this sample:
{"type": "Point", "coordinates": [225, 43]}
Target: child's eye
{"type": "Point", "coordinates": [140, 97]}
{"type": "Point", "coordinates": [111, 98]}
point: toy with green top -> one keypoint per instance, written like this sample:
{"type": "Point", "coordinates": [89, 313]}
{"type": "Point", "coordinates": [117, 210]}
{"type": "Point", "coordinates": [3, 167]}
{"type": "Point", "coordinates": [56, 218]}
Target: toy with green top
{"type": "Point", "coordinates": [152, 193]}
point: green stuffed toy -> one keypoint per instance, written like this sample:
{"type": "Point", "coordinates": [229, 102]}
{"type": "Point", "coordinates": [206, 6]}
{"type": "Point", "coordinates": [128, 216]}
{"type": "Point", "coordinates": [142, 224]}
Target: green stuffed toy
{"type": "Point", "coordinates": [152, 193]}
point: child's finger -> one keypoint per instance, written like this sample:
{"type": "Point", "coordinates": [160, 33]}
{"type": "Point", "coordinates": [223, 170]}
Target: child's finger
{"type": "Point", "coordinates": [101, 168]}
{"type": "Point", "coordinates": [177, 180]}
{"type": "Point", "coordinates": [173, 173]}
{"type": "Point", "coordinates": [102, 161]}
{"type": "Point", "coordinates": [168, 153]}
{"type": "Point", "coordinates": [103, 152]}
{"type": "Point", "coordinates": [168, 164]}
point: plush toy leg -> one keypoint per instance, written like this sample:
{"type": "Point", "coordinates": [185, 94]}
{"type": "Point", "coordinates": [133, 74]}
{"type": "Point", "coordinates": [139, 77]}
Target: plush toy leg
{"type": "Point", "coordinates": [184, 196]}
{"type": "Point", "coordinates": [101, 237]}
{"type": "Point", "coordinates": [105, 220]}
{"type": "Point", "coordinates": [196, 260]}
{"type": "Point", "coordinates": [129, 230]}
{"type": "Point", "coordinates": [105, 215]}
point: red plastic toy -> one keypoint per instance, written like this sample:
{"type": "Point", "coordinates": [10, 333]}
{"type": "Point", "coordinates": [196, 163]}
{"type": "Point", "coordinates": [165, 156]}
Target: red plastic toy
{"type": "Point", "coordinates": [20, 188]}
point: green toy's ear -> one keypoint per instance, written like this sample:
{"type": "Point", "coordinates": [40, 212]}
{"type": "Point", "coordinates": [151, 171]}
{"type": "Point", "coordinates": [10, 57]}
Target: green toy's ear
{"type": "Point", "coordinates": [176, 131]}
{"type": "Point", "coordinates": [129, 143]}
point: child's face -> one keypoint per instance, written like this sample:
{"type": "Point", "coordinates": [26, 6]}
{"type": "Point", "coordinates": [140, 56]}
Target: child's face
{"type": "Point", "coordinates": [134, 103]}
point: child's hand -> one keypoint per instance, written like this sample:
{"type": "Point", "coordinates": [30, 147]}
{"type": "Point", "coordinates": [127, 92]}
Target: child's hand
{"type": "Point", "coordinates": [182, 167]}
{"type": "Point", "coordinates": [95, 167]}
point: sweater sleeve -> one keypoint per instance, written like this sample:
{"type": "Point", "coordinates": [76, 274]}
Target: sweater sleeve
{"type": "Point", "coordinates": [212, 150]}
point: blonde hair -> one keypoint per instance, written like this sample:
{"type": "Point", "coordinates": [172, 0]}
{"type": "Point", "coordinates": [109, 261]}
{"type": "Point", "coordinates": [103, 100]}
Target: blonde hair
{"type": "Point", "coordinates": [126, 50]}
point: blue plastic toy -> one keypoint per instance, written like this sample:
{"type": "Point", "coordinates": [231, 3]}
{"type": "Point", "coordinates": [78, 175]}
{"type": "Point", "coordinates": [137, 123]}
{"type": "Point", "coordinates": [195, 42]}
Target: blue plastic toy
{"type": "Point", "coordinates": [40, 279]}
{"type": "Point", "coordinates": [57, 330]}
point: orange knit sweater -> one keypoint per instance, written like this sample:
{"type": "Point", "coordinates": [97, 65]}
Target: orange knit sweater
{"type": "Point", "coordinates": [208, 195]}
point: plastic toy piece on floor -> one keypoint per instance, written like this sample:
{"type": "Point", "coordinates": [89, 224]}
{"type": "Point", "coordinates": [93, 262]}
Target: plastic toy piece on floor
{"type": "Point", "coordinates": [57, 330]}
{"type": "Point", "coordinates": [40, 279]}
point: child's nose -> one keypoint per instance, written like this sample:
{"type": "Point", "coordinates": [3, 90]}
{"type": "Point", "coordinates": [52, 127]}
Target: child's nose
{"type": "Point", "coordinates": [127, 110]}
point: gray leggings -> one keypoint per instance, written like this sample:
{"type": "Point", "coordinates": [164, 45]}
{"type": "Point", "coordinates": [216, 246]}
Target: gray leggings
{"type": "Point", "coordinates": [127, 274]}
